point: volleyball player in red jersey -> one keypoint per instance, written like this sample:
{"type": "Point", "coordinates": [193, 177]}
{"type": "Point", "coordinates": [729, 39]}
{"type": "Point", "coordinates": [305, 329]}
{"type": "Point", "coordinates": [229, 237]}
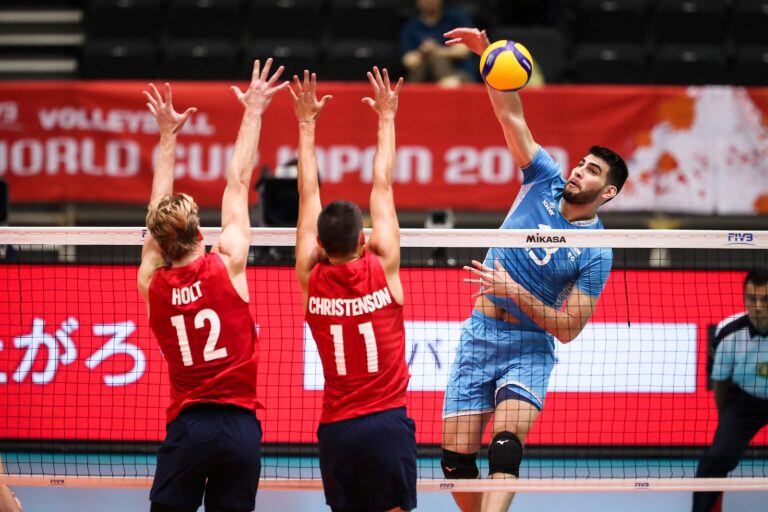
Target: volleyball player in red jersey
{"type": "Point", "coordinates": [353, 304]}
{"type": "Point", "coordinates": [198, 310]}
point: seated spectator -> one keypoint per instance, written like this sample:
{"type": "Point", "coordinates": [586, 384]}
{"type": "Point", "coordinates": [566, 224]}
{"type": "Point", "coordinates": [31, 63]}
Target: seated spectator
{"type": "Point", "coordinates": [425, 57]}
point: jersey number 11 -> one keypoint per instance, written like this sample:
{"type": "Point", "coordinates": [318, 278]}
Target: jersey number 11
{"type": "Point", "coordinates": [371, 351]}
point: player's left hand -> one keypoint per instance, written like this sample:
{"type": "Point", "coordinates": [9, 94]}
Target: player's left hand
{"type": "Point", "coordinates": [262, 89]}
{"type": "Point", "coordinates": [492, 281]}
{"type": "Point", "coordinates": [168, 120]}
{"type": "Point", "coordinates": [385, 99]}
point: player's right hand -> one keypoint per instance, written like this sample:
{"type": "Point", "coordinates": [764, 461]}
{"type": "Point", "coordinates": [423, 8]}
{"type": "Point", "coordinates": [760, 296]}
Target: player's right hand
{"type": "Point", "coordinates": [262, 89]}
{"type": "Point", "coordinates": [385, 99]}
{"type": "Point", "coordinates": [304, 95]}
{"type": "Point", "coordinates": [474, 39]}
{"type": "Point", "coordinates": [168, 120]}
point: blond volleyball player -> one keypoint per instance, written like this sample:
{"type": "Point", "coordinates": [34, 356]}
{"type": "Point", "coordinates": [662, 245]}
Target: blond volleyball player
{"type": "Point", "coordinates": [199, 313]}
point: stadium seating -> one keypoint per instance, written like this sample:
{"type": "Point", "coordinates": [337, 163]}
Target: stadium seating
{"type": "Point", "coordinates": [690, 21]}
{"type": "Point", "coordinates": [301, 19]}
{"type": "Point", "coordinates": [751, 65]}
{"type": "Point", "coordinates": [547, 46]}
{"type": "Point", "coordinates": [691, 65]}
{"type": "Point", "coordinates": [295, 54]}
{"type": "Point", "coordinates": [350, 60]}
{"type": "Point", "coordinates": [199, 59]}
{"type": "Point", "coordinates": [608, 41]}
{"type": "Point", "coordinates": [119, 58]}
{"type": "Point", "coordinates": [610, 20]}
{"type": "Point", "coordinates": [124, 18]}
{"type": "Point", "coordinates": [621, 63]}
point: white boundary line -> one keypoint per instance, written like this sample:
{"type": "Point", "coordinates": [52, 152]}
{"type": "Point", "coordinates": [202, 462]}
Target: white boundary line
{"type": "Point", "coordinates": [526, 485]}
{"type": "Point", "coordinates": [619, 238]}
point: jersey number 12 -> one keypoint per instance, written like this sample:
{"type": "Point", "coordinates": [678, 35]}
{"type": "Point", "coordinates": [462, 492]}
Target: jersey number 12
{"type": "Point", "coordinates": [210, 352]}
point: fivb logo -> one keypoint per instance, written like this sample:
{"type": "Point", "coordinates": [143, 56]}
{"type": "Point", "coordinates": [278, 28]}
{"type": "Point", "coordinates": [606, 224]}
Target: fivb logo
{"type": "Point", "coordinates": [741, 239]}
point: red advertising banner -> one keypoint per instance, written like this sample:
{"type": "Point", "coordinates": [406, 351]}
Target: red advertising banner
{"type": "Point", "coordinates": [701, 150]}
{"type": "Point", "coordinates": [78, 361]}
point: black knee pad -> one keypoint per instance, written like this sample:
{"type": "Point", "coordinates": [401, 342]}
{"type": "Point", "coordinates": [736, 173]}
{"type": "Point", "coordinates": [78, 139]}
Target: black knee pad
{"type": "Point", "coordinates": [505, 454]}
{"type": "Point", "coordinates": [459, 465]}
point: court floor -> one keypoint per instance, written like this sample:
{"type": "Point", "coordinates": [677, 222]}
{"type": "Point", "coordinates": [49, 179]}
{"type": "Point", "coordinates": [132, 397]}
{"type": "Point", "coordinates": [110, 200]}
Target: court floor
{"type": "Point", "coordinates": [48, 499]}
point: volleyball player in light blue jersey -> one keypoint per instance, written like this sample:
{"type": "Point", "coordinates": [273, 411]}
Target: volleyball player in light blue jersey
{"type": "Point", "coordinates": [527, 299]}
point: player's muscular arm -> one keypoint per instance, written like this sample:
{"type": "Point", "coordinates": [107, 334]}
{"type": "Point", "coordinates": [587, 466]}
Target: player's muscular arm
{"type": "Point", "coordinates": [507, 106]}
{"type": "Point", "coordinates": [565, 325]}
{"type": "Point", "coordinates": [235, 223]}
{"type": "Point", "coordinates": [385, 237]}
{"type": "Point", "coordinates": [169, 123]}
{"type": "Point", "coordinates": [307, 109]}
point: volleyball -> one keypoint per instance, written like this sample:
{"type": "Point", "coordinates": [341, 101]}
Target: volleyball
{"type": "Point", "coordinates": [506, 65]}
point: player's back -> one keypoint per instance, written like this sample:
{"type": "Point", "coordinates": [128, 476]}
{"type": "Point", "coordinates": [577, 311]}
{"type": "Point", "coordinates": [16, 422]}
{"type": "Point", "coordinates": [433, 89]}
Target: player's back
{"type": "Point", "coordinates": [359, 331]}
{"type": "Point", "coordinates": [206, 333]}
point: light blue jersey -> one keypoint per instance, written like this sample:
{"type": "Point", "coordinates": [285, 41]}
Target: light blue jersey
{"type": "Point", "coordinates": [742, 356]}
{"type": "Point", "coordinates": [497, 360]}
{"type": "Point", "coordinates": [549, 274]}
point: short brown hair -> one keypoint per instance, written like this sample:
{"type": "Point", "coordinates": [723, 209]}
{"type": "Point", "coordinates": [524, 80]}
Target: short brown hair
{"type": "Point", "coordinates": [338, 228]}
{"type": "Point", "coordinates": [174, 224]}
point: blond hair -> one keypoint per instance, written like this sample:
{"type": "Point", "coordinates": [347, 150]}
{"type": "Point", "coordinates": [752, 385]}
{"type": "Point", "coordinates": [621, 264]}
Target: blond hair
{"type": "Point", "coordinates": [174, 224]}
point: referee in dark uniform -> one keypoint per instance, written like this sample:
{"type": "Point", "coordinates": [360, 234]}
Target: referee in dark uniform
{"type": "Point", "coordinates": [740, 375]}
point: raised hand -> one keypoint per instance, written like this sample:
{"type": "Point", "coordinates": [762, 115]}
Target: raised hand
{"type": "Point", "coordinates": [168, 120]}
{"type": "Point", "coordinates": [492, 281]}
{"type": "Point", "coordinates": [259, 94]}
{"type": "Point", "coordinates": [385, 99]}
{"type": "Point", "coordinates": [474, 39]}
{"type": "Point", "coordinates": [305, 102]}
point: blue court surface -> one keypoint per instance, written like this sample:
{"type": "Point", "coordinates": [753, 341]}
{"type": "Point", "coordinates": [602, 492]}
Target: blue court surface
{"type": "Point", "coordinates": [49, 499]}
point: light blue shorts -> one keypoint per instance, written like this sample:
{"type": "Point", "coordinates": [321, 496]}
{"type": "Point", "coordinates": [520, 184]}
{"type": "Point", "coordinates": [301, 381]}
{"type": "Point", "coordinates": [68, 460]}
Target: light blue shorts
{"type": "Point", "coordinates": [494, 355]}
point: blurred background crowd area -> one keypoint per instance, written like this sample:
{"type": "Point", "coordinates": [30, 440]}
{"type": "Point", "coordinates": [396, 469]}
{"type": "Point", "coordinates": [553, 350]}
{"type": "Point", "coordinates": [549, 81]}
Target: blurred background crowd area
{"type": "Point", "coordinates": [574, 41]}
{"type": "Point", "coordinates": [690, 152]}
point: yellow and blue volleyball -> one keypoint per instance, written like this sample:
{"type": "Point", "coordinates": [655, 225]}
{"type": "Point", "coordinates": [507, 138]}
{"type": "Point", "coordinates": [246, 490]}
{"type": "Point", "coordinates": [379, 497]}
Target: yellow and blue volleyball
{"type": "Point", "coordinates": [506, 65]}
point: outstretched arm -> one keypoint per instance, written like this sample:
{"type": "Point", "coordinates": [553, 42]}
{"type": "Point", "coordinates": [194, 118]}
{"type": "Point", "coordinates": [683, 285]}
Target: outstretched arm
{"type": "Point", "coordinates": [565, 325]}
{"type": "Point", "coordinates": [307, 109]}
{"type": "Point", "coordinates": [506, 105]}
{"type": "Point", "coordinates": [169, 123]}
{"type": "Point", "coordinates": [235, 223]}
{"type": "Point", "coordinates": [385, 237]}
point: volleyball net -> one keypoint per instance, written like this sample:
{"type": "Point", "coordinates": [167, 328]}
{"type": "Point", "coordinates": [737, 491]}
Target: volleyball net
{"type": "Point", "coordinates": [84, 386]}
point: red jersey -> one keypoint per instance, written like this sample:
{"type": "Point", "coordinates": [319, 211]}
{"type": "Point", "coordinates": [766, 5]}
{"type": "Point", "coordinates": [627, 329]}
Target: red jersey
{"type": "Point", "coordinates": [206, 333]}
{"type": "Point", "coordinates": [360, 336]}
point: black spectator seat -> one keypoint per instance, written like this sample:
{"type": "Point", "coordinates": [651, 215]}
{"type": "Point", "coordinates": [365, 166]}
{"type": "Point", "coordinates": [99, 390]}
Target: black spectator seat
{"type": "Point", "coordinates": [691, 65]}
{"type": "Point", "coordinates": [295, 54]}
{"type": "Point", "coordinates": [199, 59]}
{"type": "Point", "coordinates": [750, 22]}
{"type": "Point", "coordinates": [690, 22]}
{"type": "Point", "coordinates": [119, 58]}
{"type": "Point", "coordinates": [610, 21]}
{"type": "Point", "coordinates": [606, 63]}
{"type": "Point", "coordinates": [370, 19]}
{"type": "Point", "coordinates": [751, 66]}
{"type": "Point", "coordinates": [188, 19]}
{"type": "Point", "coordinates": [350, 60]}
{"type": "Point", "coordinates": [111, 19]}
{"type": "Point", "coordinates": [278, 19]}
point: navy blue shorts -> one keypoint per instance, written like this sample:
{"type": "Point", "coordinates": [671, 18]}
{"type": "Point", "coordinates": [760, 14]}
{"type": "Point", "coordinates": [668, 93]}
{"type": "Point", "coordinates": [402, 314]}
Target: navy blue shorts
{"type": "Point", "coordinates": [212, 449]}
{"type": "Point", "coordinates": [369, 463]}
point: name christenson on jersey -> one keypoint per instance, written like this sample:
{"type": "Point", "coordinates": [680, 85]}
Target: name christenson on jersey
{"type": "Point", "coordinates": [350, 307]}
{"type": "Point", "coordinates": [544, 239]}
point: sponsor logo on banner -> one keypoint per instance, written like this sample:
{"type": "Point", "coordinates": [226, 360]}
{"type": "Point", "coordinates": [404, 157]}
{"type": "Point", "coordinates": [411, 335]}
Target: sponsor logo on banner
{"type": "Point", "coordinates": [741, 239]}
